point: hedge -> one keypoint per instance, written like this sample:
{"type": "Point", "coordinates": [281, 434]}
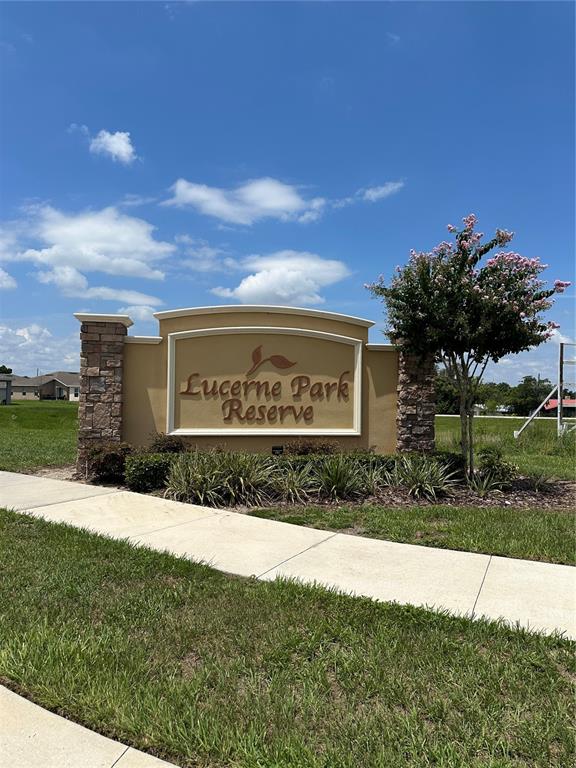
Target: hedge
{"type": "Point", "coordinates": [147, 472]}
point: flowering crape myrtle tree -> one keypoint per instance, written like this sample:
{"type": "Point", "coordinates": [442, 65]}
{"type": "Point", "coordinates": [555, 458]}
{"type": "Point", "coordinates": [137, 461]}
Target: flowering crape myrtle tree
{"type": "Point", "coordinates": [467, 310]}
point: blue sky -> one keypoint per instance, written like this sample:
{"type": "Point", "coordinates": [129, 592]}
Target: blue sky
{"type": "Point", "coordinates": [169, 155]}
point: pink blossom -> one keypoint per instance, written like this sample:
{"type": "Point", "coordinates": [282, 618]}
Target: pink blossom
{"type": "Point", "coordinates": [560, 286]}
{"type": "Point", "coordinates": [451, 228]}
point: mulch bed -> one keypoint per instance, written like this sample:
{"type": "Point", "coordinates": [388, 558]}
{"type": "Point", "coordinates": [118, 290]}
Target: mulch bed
{"type": "Point", "coordinates": [560, 494]}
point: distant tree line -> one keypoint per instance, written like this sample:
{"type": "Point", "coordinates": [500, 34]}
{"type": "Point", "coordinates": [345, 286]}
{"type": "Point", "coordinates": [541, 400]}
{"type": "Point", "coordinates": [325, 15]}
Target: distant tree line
{"type": "Point", "coordinates": [521, 399]}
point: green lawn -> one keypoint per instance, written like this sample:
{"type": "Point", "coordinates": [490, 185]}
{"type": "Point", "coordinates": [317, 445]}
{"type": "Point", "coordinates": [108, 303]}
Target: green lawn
{"type": "Point", "coordinates": [40, 433]}
{"type": "Point", "coordinates": [535, 534]}
{"type": "Point", "coordinates": [207, 670]}
{"type": "Point", "coordinates": [536, 450]}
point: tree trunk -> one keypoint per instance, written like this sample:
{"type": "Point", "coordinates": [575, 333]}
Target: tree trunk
{"type": "Point", "coordinates": [464, 444]}
{"type": "Point", "coordinates": [471, 440]}
{"type": "Point", "coordinates": [463, 373]}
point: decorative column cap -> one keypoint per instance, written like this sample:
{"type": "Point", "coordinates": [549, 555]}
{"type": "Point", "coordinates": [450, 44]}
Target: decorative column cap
{"type": "Point", "coordinates": [93, 318]}
{"type": "Point", "coordinates": [381, 347]}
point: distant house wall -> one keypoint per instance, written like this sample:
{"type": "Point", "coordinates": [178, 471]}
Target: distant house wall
{"type": "Point", "coordinates": [55, 390]}
{"type": "Point", "coordinates": [21, 392]}
{"type": "Point", "coordinates": [48, 390]}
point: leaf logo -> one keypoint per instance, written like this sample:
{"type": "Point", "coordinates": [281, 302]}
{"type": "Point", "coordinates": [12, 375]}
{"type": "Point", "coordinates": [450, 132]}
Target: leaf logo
{"type": "Point", "coordinates": [278, 361]}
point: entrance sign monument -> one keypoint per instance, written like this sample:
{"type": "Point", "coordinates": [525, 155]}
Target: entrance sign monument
{"type": "Point", "coordinates": [247, 378]}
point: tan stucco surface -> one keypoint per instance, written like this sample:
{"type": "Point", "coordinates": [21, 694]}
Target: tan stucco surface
{"type": "Point", "coordinates": [228, 357]}
{"type": "Point", "coordinates": [234, 319]}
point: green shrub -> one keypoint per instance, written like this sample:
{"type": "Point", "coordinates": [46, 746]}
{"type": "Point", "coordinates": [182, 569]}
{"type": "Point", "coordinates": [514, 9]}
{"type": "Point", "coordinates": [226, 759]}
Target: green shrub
{"type": "Point", "coordinates": [225, 478]}
{"type": "Point", "coordinates": [296, 483]}
{"type": "Point", "coordinates": [422, 476]}
{"type": "Point", "coordinates": [147, 472]}
{"type": "Point", "coordinates": [216, 478]}
{"type": "Point", "coordinates": [364, 459]}
{"type": "Point", "coordinates": [307, 447]}
{"type": "Point", "coordinates": [248, 477]}
{"type": "Point", "coordinates": [162, 443]}
{"type": "Point", "coordinates": [107, 460]}
{"type": "Point", "coordinates": [541, 482]}
{"type": "Point", "coordinates": [454, 462]}
{"type": "Point", "coordinates": [195, 478]}
{"type": "Point", "coordinates": [375, 474]}
{"type": "Point", "coordinates": [491, 462]}
{"type": "Point", "coordinates": [484, 484]}
{"type": "Point", "coordinates": [339, 477]}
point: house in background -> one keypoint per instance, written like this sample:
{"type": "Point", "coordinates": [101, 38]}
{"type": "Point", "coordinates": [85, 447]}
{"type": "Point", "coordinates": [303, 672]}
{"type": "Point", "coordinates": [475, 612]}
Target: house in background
{"type": "Point", "coordinates": [60, 385]}
{"type": "Point", "coordinates": [568, 404]}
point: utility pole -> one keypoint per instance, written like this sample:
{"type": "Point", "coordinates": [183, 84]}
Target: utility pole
{"type": "Point", "coordinates": [559, 426]}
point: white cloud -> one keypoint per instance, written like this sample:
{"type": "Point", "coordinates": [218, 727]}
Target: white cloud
{"type": "Point", "coordinates": [68, 279]}
{"type": "Point", "coordinates": [285, 277]}
{"type": "Point", "coordinates": [73, 283]}
{"type": "Point", "coordinates": [131, 200]}
{"type": "Point", "coordinates": [139, 313]}
{"type": "Point", "coordinates": [202, 257]}
{"type": "Point", "coordinates": [541, 360]}
{"type": "Point", "coordinates": [267, 198]}
{"type": "Point", "coordinates": [369, 194]}
{"type": "Point", "coordinates": [32, 346]}
{"type": "Point", "coordinates": [8, 241]}
{"type": "Point", "coordinates": [6, 280]}
{"type": "Point", "coordinates": [373, 194]}
{"type": "Point", "coordinates": [66, 246]}
{"type": "Point", "coordinates": [116, 145]}
{"type": "Point", "coordinates": [77, 128]}
{"type": "Point", "coordinates": [250, 202]}
{"type": "Point", "coordinates": [92, 241]}
{"type": "Point", "coordinates": [560, 338]}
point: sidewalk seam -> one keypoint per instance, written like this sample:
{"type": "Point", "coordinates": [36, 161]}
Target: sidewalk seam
{"type": "Point", "coordinates": [481, 585]}
{"type": "Point", "coordinates": [176, 525]}
{"type": "Point", "coordinates": [317, 544]}
{"type": "Point", "coordinates": [69, 501]}
{"type": "Point", "coordinates": [119, 758]}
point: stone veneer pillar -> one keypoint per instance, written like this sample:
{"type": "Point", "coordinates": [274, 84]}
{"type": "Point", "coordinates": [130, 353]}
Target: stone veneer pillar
{"type": "Point", "coordinates": [416, 403]}
{"type": "Point", "coordinates": [101, 376]}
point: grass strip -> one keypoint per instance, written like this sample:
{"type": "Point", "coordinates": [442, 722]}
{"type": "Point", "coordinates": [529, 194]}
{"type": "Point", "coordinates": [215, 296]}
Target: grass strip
{"type": "Point", "coordinates": [537, 450]}
{"type": "Point", "coordinates": [208, 670]}
{"type": "Point", "coordinates": [37, 434]}
{"type": "Point", "coordinates": [530, 534]}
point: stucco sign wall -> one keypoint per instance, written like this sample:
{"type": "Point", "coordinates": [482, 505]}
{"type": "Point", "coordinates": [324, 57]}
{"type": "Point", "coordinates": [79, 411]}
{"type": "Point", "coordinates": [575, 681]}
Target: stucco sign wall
{"type": "Point", "coordinates": [239, 377]}
{"type": "Point", "coordinates": [242, 381]}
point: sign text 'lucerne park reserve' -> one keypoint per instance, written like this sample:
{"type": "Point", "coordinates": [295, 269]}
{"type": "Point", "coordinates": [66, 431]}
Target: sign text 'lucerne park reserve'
{"type": "Point", "coordinates": [235, 392]}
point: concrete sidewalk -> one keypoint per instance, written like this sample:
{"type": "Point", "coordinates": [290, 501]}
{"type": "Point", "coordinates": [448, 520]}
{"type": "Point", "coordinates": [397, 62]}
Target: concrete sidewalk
{"type": "Point", "coordinates": [538, 596]}
{"type": "Point", "coordinates": [32, 737]}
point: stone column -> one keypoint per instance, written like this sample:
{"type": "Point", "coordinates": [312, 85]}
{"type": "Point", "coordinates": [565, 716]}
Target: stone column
{"type": "Point", "coordinates": [416, 403]}
{"type": "Point", "coordinates": [101, 376]}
